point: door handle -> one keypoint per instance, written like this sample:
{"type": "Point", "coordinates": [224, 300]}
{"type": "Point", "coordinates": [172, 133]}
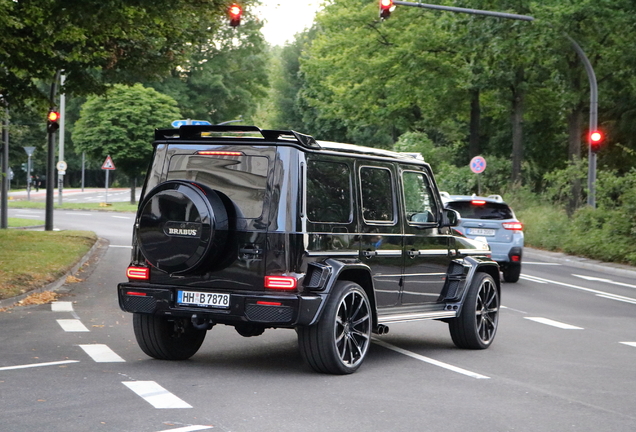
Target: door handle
{"type": "Point", "coordinates": [413, 253]}
{"type": "Point", "coordinates": [369, 253]}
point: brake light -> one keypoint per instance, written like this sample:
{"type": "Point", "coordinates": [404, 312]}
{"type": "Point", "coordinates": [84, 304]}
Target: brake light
{"type": "Point", "coordinates": [281, 282]}
{"type": "Point", "coordinates": [514, 226]}
{"type": "Point", "coordinates": [219, 153]}
{"type": "Point", "coordinates": [268, 303]}
{"type": "Point", "coordinates": [136, 293]}
{"type": "Point", "coordinates": [515, 258]}
{"type": "Point", "coordinates": [139, 273]}
{"type": "Point", "coordinates": [478, 202]}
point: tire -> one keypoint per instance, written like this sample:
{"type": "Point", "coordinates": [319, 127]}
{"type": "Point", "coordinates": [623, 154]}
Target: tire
{"type": "Point", "coordinates": [167, 339]}
{"type": "Point", "coordinates": [339, 342]}
{"type": "Point", "coordinates": [182, 225]}
{"type": "Point", "coordinates": [511, 272]}
{"type": "Point", "coordinates": [476, 325]}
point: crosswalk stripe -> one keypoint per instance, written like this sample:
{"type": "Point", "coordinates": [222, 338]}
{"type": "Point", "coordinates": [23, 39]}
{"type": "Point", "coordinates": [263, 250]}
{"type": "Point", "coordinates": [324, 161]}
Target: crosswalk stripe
{"type": "Point", "coordinates": [101, 353]}
{"type": "Point", "coordinates": [156, 395]}
{"type": "Point", "coordinates": [62, 306]}
{"type": "Point", "coordinates": [72, 325]}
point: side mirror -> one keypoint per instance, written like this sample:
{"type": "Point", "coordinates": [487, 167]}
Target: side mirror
{"type": "Point", "coordinates": [450, 218]}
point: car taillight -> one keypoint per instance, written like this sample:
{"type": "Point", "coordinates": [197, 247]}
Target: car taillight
{"type": "Point", "coordinates": [219, 153]}
{"type": "Point", "coordinates": [514, 226]}
{"type": "Point", "coordinates": [138, 273]}
{"type": "Point", "coordinates": [281, 282]}
{"type": "Point", "coordinates": [478, 202]}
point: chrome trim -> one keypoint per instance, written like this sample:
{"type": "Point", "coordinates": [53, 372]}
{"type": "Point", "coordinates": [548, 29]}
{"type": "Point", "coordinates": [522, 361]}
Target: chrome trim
{"type": "Point", "coordinates": [443, 252]}
{"type": "Point", "coordinates": [475, 251]}
{"type": "Point", "coordinates": [388, 253]}
{"type": "Point", "coordinates": [333, 253]}
{"type": "Point", "coordinates": [416, 316]}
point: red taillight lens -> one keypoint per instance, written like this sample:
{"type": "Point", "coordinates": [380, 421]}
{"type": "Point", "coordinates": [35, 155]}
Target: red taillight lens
{"type": "Point", "coordinates": [478, 202]}
{"type": "Point", "coordinates": [281, 282]}
{"type": "Point", "coordinates": [514, 226]}
{"type": "Point", "coordinates": [139, 273]}
{"type": "Point", "coordinates": [219, 153]}
{"type": "Point", "coordinates": [268, 303]}
{"type": "Point", "coordinates": [136, 293]}
{"type": "Point", "coordinates": [515, 258]}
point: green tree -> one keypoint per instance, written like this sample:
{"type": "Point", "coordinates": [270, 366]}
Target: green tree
{"type": "Point", "coordinates": [121, 124]}
{"type": "Point", "coordinates": [97, 42]}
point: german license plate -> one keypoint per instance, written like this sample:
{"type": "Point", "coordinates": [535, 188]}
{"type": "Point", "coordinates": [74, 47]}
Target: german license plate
{"type": "Point", "coordinates": [481, 231]}
{"type": "Point", "coordinates": [206, 299]}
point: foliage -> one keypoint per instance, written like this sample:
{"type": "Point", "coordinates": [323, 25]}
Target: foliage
{"type": "Point", "coordinates": [97, 42]}
{"type": "Point", "coordinates": [121, 124]}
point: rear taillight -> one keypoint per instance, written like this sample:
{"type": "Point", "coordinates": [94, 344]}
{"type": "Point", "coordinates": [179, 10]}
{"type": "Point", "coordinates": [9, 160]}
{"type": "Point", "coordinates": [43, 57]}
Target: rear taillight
{"type": "Point", "coordinates": [515, 258]}
{"type": "Point", "coordinates": [281, 282]}
{"type": "Point", "coordinates": [138, 273]}
{"type": "Point", "coordinates": [136, 293]}
{"type": "Point", "coordinates": [478, 202]}
{"type": "Point", "coordinates": [514, 226]}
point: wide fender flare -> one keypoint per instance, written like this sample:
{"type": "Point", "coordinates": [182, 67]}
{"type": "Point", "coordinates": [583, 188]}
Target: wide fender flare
{"type": "Point", "coordinates": [338, 268]}
{"type": "Point", "coordinates": [479, 264]}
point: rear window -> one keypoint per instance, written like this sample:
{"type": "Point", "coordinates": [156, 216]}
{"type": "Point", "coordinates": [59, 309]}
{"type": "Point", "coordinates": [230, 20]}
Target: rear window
{"type": "Point", "coordinates": [242, 178]}
{"type": "Point", "coordinates": [488, 210]}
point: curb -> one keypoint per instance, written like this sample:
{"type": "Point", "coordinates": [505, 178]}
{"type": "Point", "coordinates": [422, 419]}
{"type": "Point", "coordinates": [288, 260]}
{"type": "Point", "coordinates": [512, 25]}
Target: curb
{"type": "Point", "coordinates": [95, 251]}
{"type": "Point", "coordinates": [580, 262]}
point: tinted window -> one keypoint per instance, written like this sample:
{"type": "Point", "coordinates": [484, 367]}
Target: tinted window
{"type": "Point", "coordinates": [488, 210]}
{"type": "Point", "coordinates": [419, 201]}
{"type": "Point", "coordinates": [377, 195]}
{"type": "Point", "coordinates": [328, 192]}
{"type": "Point", "coordinates": [242, 178]}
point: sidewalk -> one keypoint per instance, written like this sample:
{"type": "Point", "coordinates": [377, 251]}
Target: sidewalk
{"type": "Point", "coordinates": [65, 192]}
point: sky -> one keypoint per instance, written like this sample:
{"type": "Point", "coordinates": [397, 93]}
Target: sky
{"type": "Point", "coordinates": [285, 18]}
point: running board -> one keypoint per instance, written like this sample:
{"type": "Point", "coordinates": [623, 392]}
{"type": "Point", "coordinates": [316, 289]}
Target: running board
{"type": "Point", "coordinates": [417, 316]}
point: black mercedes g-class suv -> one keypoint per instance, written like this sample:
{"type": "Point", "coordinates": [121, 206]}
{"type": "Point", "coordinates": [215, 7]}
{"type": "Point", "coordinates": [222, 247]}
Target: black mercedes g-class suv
{"type": "Point", "coordinates": [272, 229]}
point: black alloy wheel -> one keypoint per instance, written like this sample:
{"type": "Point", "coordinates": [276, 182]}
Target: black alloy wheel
{"type": "Point", "coordinates": [476, 326]}
{"type": "Point", "coordinates": [339, 342]}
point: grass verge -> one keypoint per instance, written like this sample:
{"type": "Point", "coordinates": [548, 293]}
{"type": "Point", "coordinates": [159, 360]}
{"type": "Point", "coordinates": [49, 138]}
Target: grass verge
{"type": "Point", "coordinates": [115, 207]}
{"type": "Point", "coordinates": [18, 222]}
{"type": "Point", "coordinates": [32, 259]}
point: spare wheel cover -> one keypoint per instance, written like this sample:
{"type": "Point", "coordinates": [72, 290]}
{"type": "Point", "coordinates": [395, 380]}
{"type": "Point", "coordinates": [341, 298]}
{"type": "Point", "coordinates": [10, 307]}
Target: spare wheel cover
{"type": "Point", "coordinates": [181, 225]}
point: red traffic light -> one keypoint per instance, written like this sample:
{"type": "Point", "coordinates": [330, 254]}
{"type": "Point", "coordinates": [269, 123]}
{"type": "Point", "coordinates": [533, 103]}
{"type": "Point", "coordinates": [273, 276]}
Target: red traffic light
{"type": "Point", "coordinates": [235, 13]}
{"type": "Point", "coordinates": [596, 139]}
{"type": "Point", "coordinates": [386, 7]}
{"type": "Point", "coordinates": [52, 119]}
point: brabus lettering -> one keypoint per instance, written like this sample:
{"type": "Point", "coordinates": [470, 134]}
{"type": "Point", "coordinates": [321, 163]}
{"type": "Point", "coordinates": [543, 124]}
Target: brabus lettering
{"type": "Point", "coordinates": [181, 231]}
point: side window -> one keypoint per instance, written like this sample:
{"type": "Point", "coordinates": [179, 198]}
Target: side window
{"type": "Point", "coordinates": [328, 192]}
{"type": "Point", "coordinates": [377, 195]}
{"type": "Point", "coordinates": [419, 201]}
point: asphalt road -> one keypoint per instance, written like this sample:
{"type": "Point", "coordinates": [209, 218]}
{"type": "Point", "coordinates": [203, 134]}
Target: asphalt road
{"type": "Point", "coordinates": [88, 195]}
{"type": "Point", "coordinates": [563, 360]}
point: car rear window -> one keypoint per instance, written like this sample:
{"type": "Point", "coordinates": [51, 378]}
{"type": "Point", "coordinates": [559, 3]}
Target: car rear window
{"type": "Point", "coordinates": [487, 210]}
{"type": "Point", "coordinates": [242, 178]}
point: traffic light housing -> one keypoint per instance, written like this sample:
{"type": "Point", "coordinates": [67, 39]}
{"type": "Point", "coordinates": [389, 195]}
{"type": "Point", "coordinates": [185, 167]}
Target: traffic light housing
{"type": "Point", "coordinates": [52, 121]}
{"type": "Point", "coordinates": [596, 141]}
{"type": "Point", "coordinates": [386, 7]}
{"type": "Point", "coordinates": [235, 13]}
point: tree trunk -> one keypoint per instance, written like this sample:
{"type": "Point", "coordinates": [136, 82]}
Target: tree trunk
{"type": "Point", "coordinates": [475, 119]}
{"type": "Point", "coordinates": [133, 186]}
{"type": "Point", "coordinates": [518, 99]}
{"type": "Point", "coordinates": [575, 131]}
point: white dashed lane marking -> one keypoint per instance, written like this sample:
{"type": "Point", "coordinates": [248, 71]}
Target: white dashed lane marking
{"type": "Point", "coordinates": [553, 323]}
{"type": "Point", "coordinates": [62, 306]}
{"type": "Point", "coordinates": [58, 363]}
{"type": "Point", "coordinates": [102, 353]}
{"type": "Point", "coordinates": [156, 395]}
{"type": "Point", "coordinates": [72, 325]}
{"type": "Point", "coordinates": [632, 344]}
{"type": "Point", "coordinates": [192, 428]}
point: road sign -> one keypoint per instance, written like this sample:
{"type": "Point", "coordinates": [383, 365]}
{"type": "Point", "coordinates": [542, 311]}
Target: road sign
{"type": "Point", "coordinates": [478, 164]}
{"type": "Point", "coordinates": [108, 164]}
{"type": "Point", "coordinates": [179, 123]}
{"type": "Point", "coordinates": [61, 166]}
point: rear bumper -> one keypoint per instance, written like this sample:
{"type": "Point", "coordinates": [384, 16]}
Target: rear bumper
{"type": "Point", "coordinates": [270, 309]}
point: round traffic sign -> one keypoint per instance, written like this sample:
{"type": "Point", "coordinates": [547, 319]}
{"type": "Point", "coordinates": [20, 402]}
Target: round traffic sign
{"type": "Point", "coordinates": [478, 164]}
{"type": "Point", "coordinates": [61, 166]}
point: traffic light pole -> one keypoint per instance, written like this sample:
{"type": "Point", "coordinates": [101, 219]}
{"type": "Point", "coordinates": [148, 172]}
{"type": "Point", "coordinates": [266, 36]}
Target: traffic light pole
{"type": "Point", "coordinates": [465, 10]}
{"type": "Point", "coordinates": [50, 165]}
{"type": "Point", "coordinates": [591, 169]}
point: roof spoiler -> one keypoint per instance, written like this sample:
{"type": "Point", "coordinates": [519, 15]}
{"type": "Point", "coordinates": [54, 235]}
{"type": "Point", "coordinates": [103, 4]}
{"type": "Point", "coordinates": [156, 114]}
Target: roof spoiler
{"type": "Point", "coordinates": [187, 132]}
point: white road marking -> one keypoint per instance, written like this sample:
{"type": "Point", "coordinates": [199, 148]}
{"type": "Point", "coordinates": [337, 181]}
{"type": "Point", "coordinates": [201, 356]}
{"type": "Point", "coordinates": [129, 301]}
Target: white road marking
{"type": "Point", "coordinates": [590, 290]}
{"type": "Point", "coordinates": [101, 353]}
{"type": "Point", "coordinates": [62, 306]}
{"type": "Point", "coordinates": [38, 365]}
{"type": "Point", "coordinates": [30, 216]}
{"type": "Point", "coordinates": [609, 281]}
{"type": "Point", "coordinates": [541, 263]}
{"type": "Point", "coordinates": [120, 246]}
{"type": "Point", "coordinates": [192, 428]}
{"type": "Point", "coordinates": [534, 279]}
{"type": "Point", "coordinates": [123, 217]}
{"type": "Point", "coordinates": [553, 323]}
{"type": "Point", "coordinates": [72, 325]}
{"type": "Point", "coordinates": [156, 395]}
{"type": "Point", "coordinates": [79, 214]}
{"type": "Point", "coordinates": [632, 344]}
{"type": "Point", "coordinates": [430, 360]}
{"type": "Point", "coordinates": [618, 298]}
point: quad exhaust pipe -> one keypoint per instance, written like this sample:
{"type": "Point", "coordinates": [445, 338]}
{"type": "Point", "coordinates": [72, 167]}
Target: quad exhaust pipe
{"type": "Point", "coordinates": [381, 329]}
